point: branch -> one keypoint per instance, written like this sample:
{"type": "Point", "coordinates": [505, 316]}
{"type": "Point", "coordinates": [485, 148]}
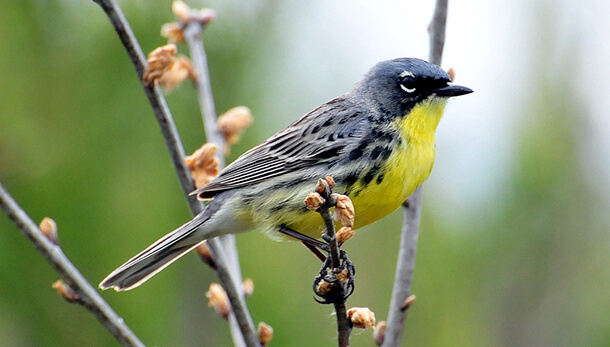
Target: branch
{"type": "Point", "coordinates": [437, 32]}
{"type": "Point", "coordinates": [156, 99]}
{"type": "Point", "coordinates": [193, 28]}
{"type": "Point", "coordinates": [343, 325]}
{"type": "Point", "coordinates": [174, 146]}
{"type": "Point", "coordinates": [86, 294]}
{"type": "Point", "coordinates": [333, 262]}
{"type": "Point", "coordinates": [405, 265]}
{"type": "Point", "coordinates": [192, 34]}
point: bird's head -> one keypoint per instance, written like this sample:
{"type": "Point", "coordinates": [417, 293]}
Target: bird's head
{"type": "Point", "coordinates": [396, 86]}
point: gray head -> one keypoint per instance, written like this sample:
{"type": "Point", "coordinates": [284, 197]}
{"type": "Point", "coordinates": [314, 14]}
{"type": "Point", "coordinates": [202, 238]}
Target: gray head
{"type": "Point", "coordinates": [395, 86]}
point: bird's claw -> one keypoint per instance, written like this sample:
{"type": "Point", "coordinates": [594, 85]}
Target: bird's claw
{"type": "Point", "coordinates": [335, 284]}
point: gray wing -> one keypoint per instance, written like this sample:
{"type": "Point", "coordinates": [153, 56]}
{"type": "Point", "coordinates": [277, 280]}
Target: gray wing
{"type": "Point", "coordinates": [323, 135]}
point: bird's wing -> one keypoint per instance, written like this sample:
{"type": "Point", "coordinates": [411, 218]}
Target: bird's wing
{"type": "Point", "coordinates": [321, 136]}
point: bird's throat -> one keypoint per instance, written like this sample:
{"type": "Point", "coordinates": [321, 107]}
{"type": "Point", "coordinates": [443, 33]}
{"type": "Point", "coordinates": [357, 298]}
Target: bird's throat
{"type": "Point", "coordinates": [419, 125]}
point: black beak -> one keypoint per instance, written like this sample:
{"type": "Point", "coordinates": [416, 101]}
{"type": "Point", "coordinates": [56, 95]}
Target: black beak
{"type": "Point", "coordinates": [451, 90]}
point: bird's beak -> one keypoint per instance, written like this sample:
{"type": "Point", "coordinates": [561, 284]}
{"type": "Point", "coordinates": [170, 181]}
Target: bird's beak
{"type": "Point", "coordinates": [451, 90]}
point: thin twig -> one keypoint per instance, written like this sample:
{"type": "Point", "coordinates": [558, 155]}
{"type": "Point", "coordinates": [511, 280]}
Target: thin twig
{"type": "Point", "coordinates": [174, 145]}
{"type": "Point", "coordinates": [437, 32]}
{"type": "Point", "coordinates": [194, 39]}
{"type": "Point", "coordinates": [156, 99]}
{"type": "Point", "coordinates": [404, 269]}
{"type": "Point", "coordinates": [405, 265]}
{"type": "Point", "coordinates": [343, 324]}
{"type": "Point", "coordinates": [192, 35]}
{"type": "Point", "coordinates": [88, 296]}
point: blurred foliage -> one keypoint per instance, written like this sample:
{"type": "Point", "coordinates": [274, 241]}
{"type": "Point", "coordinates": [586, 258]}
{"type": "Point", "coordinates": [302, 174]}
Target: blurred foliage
{"type": "Point", "coordinates": [79, 143]}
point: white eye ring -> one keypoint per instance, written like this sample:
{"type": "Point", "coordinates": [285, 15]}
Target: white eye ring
{"type": "Point", "coordinates": [406, 73]}
{"type": "Point", "coordinates": [408, 90]}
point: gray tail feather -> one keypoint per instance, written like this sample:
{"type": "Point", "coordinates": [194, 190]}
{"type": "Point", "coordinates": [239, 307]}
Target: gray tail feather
{"type": "Point", "coordinates": [157, 256]}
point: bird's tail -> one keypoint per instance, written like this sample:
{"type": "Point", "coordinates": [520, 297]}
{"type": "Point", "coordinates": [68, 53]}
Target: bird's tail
{"type": "Point", "coordinates": [157, 256]}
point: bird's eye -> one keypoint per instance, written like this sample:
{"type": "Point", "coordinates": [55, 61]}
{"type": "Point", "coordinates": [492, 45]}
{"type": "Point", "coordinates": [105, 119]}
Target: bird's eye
{"type": "Point", "coordinates": [408, 84]}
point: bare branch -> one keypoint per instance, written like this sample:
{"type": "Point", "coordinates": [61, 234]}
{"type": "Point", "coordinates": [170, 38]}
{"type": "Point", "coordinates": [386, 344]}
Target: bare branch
{"type": "Point", "coordinates": [344, 328]}
{"type": "Point", "coordinates": [192, 34]}
{"type": "Point", "coordinates": [437, 32]}
{"type": "Point", "coordinates": [412, 215]}
{"type": "Point", "coordinates": [155, 97]}
{"type": "Point", "coordinates": [405, 267]}
{"type": "Point", "coordinates": [343, 325]}
{"type": "Point", "coordinates": [86, 295]}
{"type": "Point", "coordinates": [174, 145]}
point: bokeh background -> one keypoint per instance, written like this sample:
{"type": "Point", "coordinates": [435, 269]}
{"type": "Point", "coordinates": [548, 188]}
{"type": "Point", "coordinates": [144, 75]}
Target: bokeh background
{"type": "Point", "coordinates": [514, 246]}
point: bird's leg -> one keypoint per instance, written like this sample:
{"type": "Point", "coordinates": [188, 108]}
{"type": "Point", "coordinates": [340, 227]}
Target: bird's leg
{"type": "Point", "coordinates": [312, 244]}
{"type": "Point", "coordinates": [332, 284]}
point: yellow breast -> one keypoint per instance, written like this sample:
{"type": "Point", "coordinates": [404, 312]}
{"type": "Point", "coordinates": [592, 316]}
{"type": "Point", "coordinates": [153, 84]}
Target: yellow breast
{"type": "Point", "coordinates": [408, 166]}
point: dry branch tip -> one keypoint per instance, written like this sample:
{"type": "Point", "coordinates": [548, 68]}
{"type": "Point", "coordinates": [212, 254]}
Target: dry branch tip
{"type": "Point", "coordinates": [186, 14]}
{"type": "Point", "coordinates": [65, 291]}
{"type": "Point", "coordinates": [248, 287]}
{"type": "Point", "coordinates": [203, 250]}
{"type": "Point", "coordinates": [344, 210]}
{"type": "Point", "coordinates": [49, 229]}
{"type": "Point", "coordinates": [232, 123]}
{"type": "Point", "coordinates": [451, 73]}
{"type": "Point", "coordinates": [217, 298]}
{"type": "Point", "coordinates": [165, 69]}
{"type": "Point", "coordinates": [314, 201]}
{"type": "Point", "coordinates": [379, 332]}
{"type": "Point", "coordinates": [408, 302]}
{"type": "Point", "coordinates": [361, 317]}
{"type": "Point", "coordinates": [203, 164]}
{"type": "Point", "coordinates": [265, 333]}
{"type": "Point", "coordinates": [344, 234]}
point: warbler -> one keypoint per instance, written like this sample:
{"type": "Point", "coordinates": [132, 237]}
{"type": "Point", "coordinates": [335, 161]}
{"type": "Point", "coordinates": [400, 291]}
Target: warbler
{"type": "Point", "coordinates": [376, 142]}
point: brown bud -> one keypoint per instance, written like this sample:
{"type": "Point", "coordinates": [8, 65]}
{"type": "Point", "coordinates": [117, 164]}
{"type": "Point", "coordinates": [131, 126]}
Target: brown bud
{"type": "Point", "coordinates": [344, 210]}
{"type": "Point", "coordinates": [361, 317]}
{"type": "Point", "coordinates": [49, 229]}
{"type": "Point", "coordinates": [174, 32]}
{"type": "Point", "coordinates": [248, 287]}
{"type": "Point", "coordinates": [321, 186]}
{"type": "Point", "coordinates": [65, 291]}
{"type": "Point", "coordinates": [233, 122]}
{"type": "Point", "coordinates": [178, 72]}
{"type": "Point", "coordinates": [379, 333]}
{"type": "Point", "coordinates": [181, 10]}
{"type": "Point", "coordinates": [323, 287]}
{"type": "Point", "coordinates": [185, 14]}
{"type": "Point", "coordinates": [204, 253]}
{"type": "Point", "coordinates": [159, 61]}
{"type": "Point", "coordinates": [330, 181]}
{"type": "Point", "coordinates": [265, 333]}
{"type": "Point", "coordinates": [451, 74]}
{"type": "Point", "coordinates": [313, 201]}
{"type": "Point", "coordinates": [217, 298]}
{"type": "Point", "coordinates": [344, 234]}
{"type": "Point", "coordinates": [408, 302]}
{"type": "Point", "coordinates": [203, 250]}
{"type": "Point", "coordinates": [343, 276]}
{"type": "Point", "coordinates": [203, 164]}
{"type": "Point", "coordinates": [204, 16]}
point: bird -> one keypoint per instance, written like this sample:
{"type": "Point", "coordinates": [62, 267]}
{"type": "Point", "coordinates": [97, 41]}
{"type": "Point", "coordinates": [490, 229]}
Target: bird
{"type": "Point", "coordinates": [377, 142]}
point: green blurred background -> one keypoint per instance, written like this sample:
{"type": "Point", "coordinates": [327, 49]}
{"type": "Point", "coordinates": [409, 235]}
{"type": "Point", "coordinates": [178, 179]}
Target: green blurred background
{"type": "Point", "coordinates": [514, 245]}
